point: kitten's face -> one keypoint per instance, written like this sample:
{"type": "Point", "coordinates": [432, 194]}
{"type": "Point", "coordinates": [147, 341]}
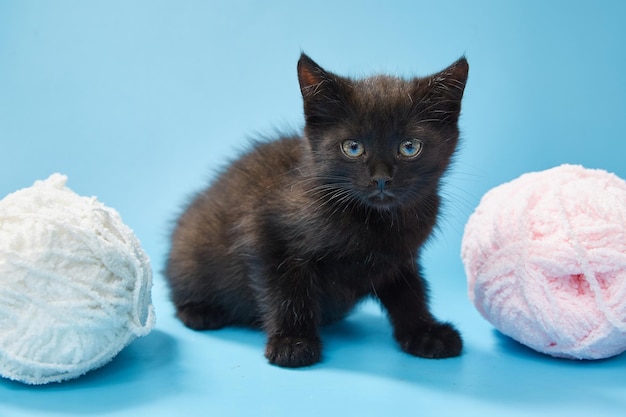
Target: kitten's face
{"type": "Point", "coordinates": [381, 142]}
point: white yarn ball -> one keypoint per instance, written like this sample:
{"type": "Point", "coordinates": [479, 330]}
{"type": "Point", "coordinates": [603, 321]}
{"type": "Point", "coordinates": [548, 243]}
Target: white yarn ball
{"type": "Point", "coordinates": [75, 284]}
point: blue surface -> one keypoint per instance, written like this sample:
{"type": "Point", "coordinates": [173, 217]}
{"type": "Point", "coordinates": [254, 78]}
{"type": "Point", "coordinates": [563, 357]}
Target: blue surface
{"type": "Point", "coordinates": [138, 102]}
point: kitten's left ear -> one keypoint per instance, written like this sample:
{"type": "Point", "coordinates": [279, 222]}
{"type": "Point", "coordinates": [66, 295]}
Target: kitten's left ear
{"type": "Point", "coordinates": [444, 91]}
{"type": "Point", "coordinates": [321, 92]}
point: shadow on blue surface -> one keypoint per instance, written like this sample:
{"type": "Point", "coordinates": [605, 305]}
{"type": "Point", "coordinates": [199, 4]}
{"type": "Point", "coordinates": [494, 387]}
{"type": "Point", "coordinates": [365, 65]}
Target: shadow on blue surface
{"type": "Point", "coordinates": [507, 373]}
{"type": "Point", "coordinates": [131, 378]}
{"type": "Point", "coordinates": [359, 348]}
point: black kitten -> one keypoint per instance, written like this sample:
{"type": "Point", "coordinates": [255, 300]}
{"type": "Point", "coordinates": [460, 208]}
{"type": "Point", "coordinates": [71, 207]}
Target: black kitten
{"type": "Point", "coordinates": [297, 231]}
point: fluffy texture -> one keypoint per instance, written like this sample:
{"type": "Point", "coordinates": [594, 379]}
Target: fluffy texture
{"type": "Point", "coordinates": [545, 257]}
{"type": "Point", "coordinates": [74, 284]}
{"type": "Point", "coordinates": [297, 231]}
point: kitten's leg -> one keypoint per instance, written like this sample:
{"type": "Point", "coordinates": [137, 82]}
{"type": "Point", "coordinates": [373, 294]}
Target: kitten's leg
{"type": "Point", "coordinates": [200, 316]}
{"type": "Point", "coordinates": [200, 304]}
{"type": "Point", "coordinates": [291, 317]}
{"type": "Point", "coordinates": [416, 330]}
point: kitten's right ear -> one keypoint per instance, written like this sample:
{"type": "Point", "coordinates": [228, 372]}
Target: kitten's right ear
{"type": "Point", "coordinates": [441, 93]}
{"type": "Point", "coordinates": [321, 92]}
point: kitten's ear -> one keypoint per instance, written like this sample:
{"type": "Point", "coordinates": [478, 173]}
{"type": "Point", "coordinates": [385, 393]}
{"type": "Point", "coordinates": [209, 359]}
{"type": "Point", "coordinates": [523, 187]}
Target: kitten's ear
{"type": "Point", "coordinates": [321, 92]}
{"type": "Point", "coordinates": [443, 91]}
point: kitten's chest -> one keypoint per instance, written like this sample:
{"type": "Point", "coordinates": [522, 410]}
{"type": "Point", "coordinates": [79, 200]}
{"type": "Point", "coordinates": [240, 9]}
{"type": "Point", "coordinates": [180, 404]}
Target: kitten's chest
{"type": "Point", "coordinates": [345, 280]}
{"type": "Point", "coordinates": [368, 240]}
{"type": "Point", "coordinates": [366, 252]}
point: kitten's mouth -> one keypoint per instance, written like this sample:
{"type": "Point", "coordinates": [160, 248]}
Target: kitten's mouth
{"type": "Point", "coordinates": [382, 199]}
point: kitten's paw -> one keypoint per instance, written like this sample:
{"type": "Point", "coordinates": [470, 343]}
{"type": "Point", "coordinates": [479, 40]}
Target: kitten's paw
{"type": "Point", "coordinates": [293, 352]}
{"type": "Point", "coordinates": [434, 341]}
{"type": "Point", "coordinates": [201, 316]}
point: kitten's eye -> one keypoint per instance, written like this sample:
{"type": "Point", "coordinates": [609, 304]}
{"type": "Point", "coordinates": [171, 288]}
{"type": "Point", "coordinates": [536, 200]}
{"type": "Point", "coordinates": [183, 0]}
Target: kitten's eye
{"type": "Point", "coordinates": [352, 148]}
{"type": "Point", "coordinates": [410, 148]}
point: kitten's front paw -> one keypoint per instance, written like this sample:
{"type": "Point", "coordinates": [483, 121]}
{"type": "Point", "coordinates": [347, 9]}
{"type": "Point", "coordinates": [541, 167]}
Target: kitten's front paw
{"type": "Point", "coordinates": [293, 352]}
{"type": "Point", "coordinates": [433, 341]}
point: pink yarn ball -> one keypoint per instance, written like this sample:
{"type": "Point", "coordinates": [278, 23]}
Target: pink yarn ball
{"type": "Point", "coordinates": [545, 258]}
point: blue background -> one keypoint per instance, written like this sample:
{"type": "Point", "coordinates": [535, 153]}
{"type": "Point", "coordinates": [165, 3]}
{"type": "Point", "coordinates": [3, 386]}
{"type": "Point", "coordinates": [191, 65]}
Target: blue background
{"type": "Point", "coordinates": [139, 102]}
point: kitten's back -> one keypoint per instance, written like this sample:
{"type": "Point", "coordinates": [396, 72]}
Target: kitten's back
{"type": "Point", "coordinates": [212, 240]}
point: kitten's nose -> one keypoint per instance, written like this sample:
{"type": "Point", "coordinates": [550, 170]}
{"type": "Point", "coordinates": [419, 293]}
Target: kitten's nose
{"type": "Point", "coordinates": [381, 181]}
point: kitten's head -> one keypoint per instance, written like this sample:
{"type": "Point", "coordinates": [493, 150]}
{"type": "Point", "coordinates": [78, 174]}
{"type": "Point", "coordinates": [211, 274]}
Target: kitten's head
{"type": "Point", "coordinates": [382, 142]}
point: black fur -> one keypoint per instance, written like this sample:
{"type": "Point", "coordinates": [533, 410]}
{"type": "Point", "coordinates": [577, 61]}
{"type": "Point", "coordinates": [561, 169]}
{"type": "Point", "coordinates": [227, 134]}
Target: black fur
{"type": "Point", "coordinates": [297, 231]}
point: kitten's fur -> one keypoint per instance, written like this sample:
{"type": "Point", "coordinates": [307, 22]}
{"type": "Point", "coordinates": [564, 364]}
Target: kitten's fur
{"type": "Point", "coordinates": [297, 231]}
